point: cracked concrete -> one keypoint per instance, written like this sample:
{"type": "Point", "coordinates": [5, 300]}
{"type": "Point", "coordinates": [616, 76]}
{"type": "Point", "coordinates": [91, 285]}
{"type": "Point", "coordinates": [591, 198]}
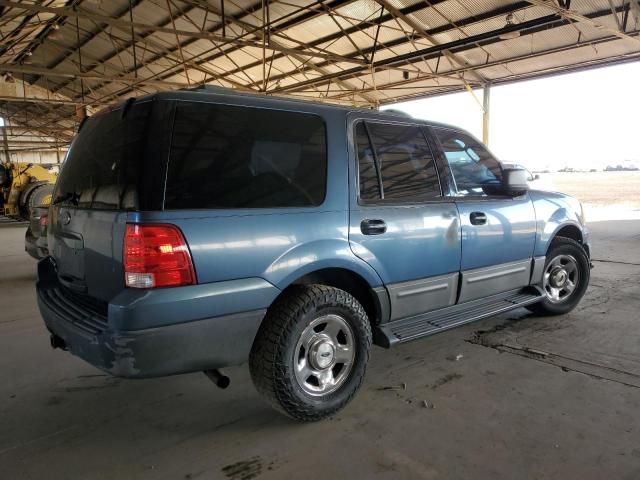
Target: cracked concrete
{"type": "Point", "coordinates": [550, 398]}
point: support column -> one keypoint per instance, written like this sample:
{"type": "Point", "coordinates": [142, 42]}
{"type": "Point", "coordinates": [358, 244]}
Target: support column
{"type": "Point", "coordinates": [486, 106]}
{"type": "Point", "coordinates": [5, 142]}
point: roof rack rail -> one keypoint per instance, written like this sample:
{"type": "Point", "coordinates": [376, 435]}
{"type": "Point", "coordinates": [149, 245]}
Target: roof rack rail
{"type": "Point", "coordinates": [211, 88]}
{"type": "Point", "coordinates": [399, 113]}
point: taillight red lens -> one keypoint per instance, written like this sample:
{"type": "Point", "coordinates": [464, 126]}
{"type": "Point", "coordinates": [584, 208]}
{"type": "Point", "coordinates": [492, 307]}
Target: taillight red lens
{"type": "Point", "coordinates": [156, 256]}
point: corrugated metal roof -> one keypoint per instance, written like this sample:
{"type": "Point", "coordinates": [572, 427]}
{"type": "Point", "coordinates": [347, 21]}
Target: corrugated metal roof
{"type": "Point", "coordinates": [88, 52]}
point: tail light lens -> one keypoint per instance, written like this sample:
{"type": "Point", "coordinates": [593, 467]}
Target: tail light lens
{"type": "Point", "coordinates": [156, 256]}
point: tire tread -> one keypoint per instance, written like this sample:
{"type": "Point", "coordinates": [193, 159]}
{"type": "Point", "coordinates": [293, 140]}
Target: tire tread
{"type": "Point", "coordinates": [268, 372]}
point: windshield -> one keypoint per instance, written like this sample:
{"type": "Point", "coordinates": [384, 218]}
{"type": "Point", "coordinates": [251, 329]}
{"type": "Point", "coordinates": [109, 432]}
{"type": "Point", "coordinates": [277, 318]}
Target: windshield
{"type": "Point", "coordinates": [104, 165]}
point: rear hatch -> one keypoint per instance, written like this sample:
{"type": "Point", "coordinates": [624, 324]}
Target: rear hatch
{"type": "Point", "coordinates": [114, 166]}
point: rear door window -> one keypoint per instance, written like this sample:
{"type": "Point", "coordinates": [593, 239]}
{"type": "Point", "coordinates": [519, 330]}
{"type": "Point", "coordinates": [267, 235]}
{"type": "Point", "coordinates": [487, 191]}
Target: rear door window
{"type": "Point", "coordinates": [240, 157]}
{"type": "Point", "coordinates": [402, 158]}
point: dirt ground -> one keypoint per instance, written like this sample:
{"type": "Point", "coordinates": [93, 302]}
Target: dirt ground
{"type": "Point", "coordinates": [512, 397]}
{"type": "Point", "coordinates": [595, 188]}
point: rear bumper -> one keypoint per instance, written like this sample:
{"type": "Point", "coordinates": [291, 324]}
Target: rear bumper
{"type": "Point", "coordinates": [187, 344]}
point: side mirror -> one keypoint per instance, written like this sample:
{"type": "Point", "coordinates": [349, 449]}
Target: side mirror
{"type": "Point", "coordinates": [514, 181]}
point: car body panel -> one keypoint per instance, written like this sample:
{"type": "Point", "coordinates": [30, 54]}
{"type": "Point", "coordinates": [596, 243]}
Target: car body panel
{"type": "Point", "coordinates": [87, 248]}
{"type": "Point", "coordinates": [508, 235]}
{"type": "Point", "coordinates": [278, 246]}
{"type": "Point", "coordinates": [429, 258]}
{"type": "Point", "coordinates": [555, 211]}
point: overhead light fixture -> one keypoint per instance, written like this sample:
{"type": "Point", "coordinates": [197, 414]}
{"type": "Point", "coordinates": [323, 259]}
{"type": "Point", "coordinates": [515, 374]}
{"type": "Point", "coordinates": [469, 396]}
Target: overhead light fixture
{"type": "Point", "coordinates": [514, 33]}
{"type": "Point", "coordinates": [54, 33]}
{"type": "Point", "coordinates": [26, 59]}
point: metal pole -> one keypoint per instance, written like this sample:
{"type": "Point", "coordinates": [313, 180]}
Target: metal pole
{"type": "Point", "coordinates": [486, 106]}
{"type": "Point", "coordinates": [5, 142]}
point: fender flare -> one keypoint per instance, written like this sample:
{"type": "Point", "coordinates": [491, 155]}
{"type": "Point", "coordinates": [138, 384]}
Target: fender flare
{"type": "Point", "coordinates": [318, 255]}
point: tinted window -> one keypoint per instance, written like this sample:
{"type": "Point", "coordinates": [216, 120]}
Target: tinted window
{"type": "Point", "coordinates": [103, 167]}
{"type": "Point", "coordinates": [368, 176]}
{"type": "Point", "coordinates": [238, 157]}
{"type": "Point", "coordinates": [472, 166]}
{"type": "Point", "coordinates": [405, 161]}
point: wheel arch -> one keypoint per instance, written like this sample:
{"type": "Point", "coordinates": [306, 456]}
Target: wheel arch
{"type": "Point", "coordinates": [375, 300]}
{"type": "Point", "coordinates": [572, 231]}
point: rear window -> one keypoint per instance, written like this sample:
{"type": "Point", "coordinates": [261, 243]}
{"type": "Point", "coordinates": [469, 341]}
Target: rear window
{"type": "Point", "coordinates": [102, 169]}
{"type": "Point", "coordinates": [238, 157]}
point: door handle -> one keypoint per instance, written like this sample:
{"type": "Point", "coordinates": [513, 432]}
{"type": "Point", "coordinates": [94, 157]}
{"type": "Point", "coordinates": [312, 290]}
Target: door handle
{"type": "Point", "coordinates": [373, 227]}
{"type": "Point", "coordinates": [478, 218]}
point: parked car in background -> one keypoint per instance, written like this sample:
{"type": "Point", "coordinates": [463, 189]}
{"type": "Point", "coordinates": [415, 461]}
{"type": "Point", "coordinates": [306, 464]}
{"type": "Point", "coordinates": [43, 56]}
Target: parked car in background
{"type": "Point", "coordinates": [291, 235]}
{"type": "Point", "coordinates": [35, 239]}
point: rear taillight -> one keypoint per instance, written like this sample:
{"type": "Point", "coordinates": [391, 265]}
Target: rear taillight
{"type": "Point", "coordinates": [156, 256]}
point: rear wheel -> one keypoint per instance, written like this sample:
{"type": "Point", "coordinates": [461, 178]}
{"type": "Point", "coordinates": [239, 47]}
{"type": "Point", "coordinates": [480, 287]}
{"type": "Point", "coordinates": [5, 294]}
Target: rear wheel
{"type": "Point", "coordinates": [311, 352]}
{"type": "Point", "coordinates": [565, 278]}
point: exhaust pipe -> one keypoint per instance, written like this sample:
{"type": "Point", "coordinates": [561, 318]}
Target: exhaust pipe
{"type": "Point", "coordinates": [217, 377]}
{"type": "Point", "coordinates": [57, 342]}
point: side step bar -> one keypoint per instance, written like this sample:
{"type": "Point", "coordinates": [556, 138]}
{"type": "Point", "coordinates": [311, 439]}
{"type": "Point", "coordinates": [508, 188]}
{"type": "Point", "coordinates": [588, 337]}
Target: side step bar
{"type": "Point", "coordinates": [412, 328]}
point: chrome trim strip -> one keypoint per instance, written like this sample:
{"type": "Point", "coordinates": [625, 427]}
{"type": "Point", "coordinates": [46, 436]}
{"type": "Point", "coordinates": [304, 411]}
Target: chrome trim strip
{"type": "Point", "coordinates": [503, 273]}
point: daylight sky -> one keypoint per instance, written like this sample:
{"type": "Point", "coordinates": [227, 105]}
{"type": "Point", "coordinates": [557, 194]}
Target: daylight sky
{"type": "Point", "coordinates": [582, 120]}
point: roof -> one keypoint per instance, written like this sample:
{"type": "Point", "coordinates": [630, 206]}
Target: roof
{"type": "Point", "coordinates": [73, 54]}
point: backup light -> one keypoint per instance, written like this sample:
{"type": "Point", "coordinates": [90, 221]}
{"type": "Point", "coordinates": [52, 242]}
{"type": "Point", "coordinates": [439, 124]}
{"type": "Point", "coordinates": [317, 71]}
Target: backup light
{"type": "Point", "coordinates": [156, 256]}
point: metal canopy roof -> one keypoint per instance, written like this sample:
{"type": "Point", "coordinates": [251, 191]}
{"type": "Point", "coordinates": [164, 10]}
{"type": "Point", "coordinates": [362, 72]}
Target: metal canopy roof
{"type": "Point", "coordinates": [71, 54]}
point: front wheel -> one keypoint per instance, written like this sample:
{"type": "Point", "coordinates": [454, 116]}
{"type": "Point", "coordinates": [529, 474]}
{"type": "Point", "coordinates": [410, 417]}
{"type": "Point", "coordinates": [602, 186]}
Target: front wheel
{"type": "Point", "coordinates": [565, 278]}
{"type": "Point", "coordinates": [311, 352]}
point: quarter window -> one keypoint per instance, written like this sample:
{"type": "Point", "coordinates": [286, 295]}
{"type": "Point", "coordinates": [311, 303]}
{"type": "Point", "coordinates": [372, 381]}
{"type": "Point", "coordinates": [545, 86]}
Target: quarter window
{"type": "Point", "coordinates": [474, 169]}
{"type": "Point", "coordinates": [400, 156]}
{"type": "Point", "coordinates": [369, 186]}
{"type": "Point", "coordinates": [239, 157]}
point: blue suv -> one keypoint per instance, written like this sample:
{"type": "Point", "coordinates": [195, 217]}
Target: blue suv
{"type": "Point", "coordinates": [199, 229]}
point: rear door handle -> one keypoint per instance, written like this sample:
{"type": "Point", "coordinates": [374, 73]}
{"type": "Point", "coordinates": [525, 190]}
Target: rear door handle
{"type": "Point", "coordinates": [373, 227]}
{"type": "Point", "coordinates": [478, 218]}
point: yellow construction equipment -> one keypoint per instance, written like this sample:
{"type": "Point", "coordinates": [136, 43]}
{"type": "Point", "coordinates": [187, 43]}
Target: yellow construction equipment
{"type": "Point", "coordinates": [24, 186]}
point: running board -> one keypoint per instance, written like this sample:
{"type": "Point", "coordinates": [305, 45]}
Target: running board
{"type": "Point", "coordinates": [412, 328]}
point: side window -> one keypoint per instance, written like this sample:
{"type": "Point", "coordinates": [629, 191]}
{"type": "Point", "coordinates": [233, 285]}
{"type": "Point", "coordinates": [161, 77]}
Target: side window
{"type": "Point", "coordinates": [368, 175]}
{"type": "Point", "coordinates": [404, 163]}
{"type": "Point", "coordinates": [474, 169]}
{"type": "Point", "coordinates": [239, 157]}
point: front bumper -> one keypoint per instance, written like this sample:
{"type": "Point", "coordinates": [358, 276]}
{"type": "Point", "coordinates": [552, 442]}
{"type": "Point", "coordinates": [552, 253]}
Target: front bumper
{"type": "Point", "coordinates": [191, 342]}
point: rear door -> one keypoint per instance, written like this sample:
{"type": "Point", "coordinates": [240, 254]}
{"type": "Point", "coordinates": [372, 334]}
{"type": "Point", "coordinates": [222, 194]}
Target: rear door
{"type": "Point", "coordinates": [400, 221]}
{"type": "Point", "coordinates": [114, 165]}
{"type": "Point", "coordinates": [498, 231]}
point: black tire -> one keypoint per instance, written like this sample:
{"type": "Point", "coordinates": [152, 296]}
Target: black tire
{"type": "Point", "coordinates": [562, 246]}
{"type": "Point", "coordinates": [36, 197]}
{"type": "Point", "coordinates": [272, 363]}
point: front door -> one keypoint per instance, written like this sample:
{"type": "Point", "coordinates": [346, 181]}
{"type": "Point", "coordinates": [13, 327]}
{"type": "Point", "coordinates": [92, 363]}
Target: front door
{"type": "Point", "coordinates": [498, 231]}
{"type": "Point", "coordinates": [400, 222]}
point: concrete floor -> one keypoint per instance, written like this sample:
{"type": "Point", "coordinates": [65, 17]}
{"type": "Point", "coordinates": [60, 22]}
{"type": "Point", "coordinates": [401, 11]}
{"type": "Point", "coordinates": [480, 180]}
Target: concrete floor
{"type": "Point", "coordinates": [513, 397]}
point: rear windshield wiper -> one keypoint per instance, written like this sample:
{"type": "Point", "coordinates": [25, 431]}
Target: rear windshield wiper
{"type": "Point", "coordinates": [71, 197]}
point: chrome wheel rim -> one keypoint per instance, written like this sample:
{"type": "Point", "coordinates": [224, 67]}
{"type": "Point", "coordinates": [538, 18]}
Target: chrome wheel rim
{"type": "Point", "coordinates": [324, 355]}
{"type": "Point", "coordinates": [561, 277]}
